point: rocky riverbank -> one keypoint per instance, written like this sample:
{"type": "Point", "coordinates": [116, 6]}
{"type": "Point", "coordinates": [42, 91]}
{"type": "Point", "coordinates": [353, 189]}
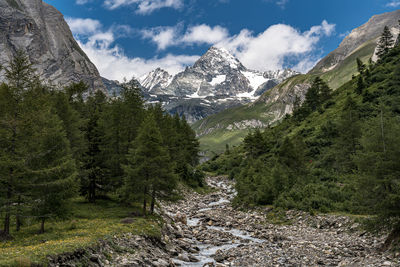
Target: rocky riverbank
{"type": "Point", "coordinates": [220, 235]}
{"type": "Point", "coordinates": [205, 230]}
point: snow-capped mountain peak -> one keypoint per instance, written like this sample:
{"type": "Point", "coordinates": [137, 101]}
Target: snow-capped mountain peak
{"type": "Point", "coordinates": [156, 80]}
{"type": "Point", "coordinates": [215, 59]}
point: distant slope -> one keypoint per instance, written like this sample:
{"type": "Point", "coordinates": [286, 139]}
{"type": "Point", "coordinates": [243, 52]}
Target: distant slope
{"type": "Point", "coordinates": [336, 69]}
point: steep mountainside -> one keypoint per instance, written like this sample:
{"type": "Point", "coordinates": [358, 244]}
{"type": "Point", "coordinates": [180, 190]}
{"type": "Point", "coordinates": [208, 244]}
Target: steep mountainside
{"type": "Point", "coordinates": [336, 69]}
{"type": "Point", "coordinates": [41, 31]}
{"type": "Point", "coordinates": [215, 82]}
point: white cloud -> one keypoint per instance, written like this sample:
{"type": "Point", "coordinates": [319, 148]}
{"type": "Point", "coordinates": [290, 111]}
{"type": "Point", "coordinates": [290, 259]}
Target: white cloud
{"type": "Point", "coordinates": [83, 26]}
{"type": "Point", "coordinates": [82, 2]}
{"type": "Point", "coordinates": [394, 3]}
{"type": "Point", "coordinates": [270, 49]}
{"type": "Point", "coordinates": [144, 7]}
{"type": "Point", "coordinates": [165, 37]}
{"type": "Point", "coordinates": [205, 34]}
{"type": "Point", "coordinates": [282, 3]}
{"type": "Point", "coordinates": [99, 45]}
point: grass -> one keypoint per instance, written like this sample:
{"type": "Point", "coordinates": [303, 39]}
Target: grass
{"type": "Point", "coordinates": [88, 223]}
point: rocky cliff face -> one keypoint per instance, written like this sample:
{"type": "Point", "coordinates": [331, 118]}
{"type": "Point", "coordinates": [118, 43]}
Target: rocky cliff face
{"type": "Point", "coordinates": [215, 82]}
{"type": "Point", "coordinates": [41, 31]}
{"type": "Point", "coordinates": [370, 31]}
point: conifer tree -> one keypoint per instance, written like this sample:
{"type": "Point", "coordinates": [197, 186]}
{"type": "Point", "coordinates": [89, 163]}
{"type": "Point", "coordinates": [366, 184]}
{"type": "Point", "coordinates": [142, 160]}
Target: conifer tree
{"type": "Point", "coordinates": [20, 77]}
{"type": "Point", "coordinates": [385, 42]}
{"type": "Point", "coordinates": [349, 133]}
{"type": "Point", "coordinates": [149, 171]}
{"type": "Point", "coordinates": [317, 94]}
{"type": "Point", "coordinates": [50, 166]}
{"type": "Point", "coordinates": [360, 66]}
{"type": "Point", "coordinates": [360, 85]}
{"type": "Point", "coordinates": [93, 177]}
{"type": "Point", "coordinates": [379, 169]}
{"type": "Point", "coordinates": [120, 120]}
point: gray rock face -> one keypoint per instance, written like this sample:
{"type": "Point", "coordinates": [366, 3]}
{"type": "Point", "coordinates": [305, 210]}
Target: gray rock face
{"type": "Point", "coordinates": [41, 31]}
{"type": "Point", "coordinates": [367, 32]}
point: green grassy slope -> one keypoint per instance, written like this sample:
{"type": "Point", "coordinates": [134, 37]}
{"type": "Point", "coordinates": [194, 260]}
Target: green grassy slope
{"type": "Point", "coordinates": [87, 224]}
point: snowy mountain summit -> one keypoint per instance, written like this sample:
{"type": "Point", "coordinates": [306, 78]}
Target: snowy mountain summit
{"type": "Point", "coordinates": [216, 81]}
{"type": "Point", "coordinates": [156, 80]}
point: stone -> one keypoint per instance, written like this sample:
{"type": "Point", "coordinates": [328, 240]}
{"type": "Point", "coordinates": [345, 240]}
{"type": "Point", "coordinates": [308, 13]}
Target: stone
{"type": "Point", "coordinates": [180, 217]}
{"type": "Point", "coordinates": [183, 257]}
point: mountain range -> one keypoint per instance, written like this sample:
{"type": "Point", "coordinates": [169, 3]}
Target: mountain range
{"type": "Point", "coordinates": [216, 81]}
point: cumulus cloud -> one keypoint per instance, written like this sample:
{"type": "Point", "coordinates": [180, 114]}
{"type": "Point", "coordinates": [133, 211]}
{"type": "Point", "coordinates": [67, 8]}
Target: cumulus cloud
{"type": "Point", "coordinates": [267, 50]}
{"type": "Point", "coordinates": [99, 45]}
{"type": "Point", "coordinates": [144, 7]}
{"type": "Point", "coordinates": [165, 37]}
{"type": "Point", "coordinates": [83, 26]}
{"type": "Point", "coordinates": [82, 2]}
{"type": "Point", "coordinates": [205, 34]}
{"type": "Point", "coordinates": [394, 3]}
{"type": "Point", "coordinates": [279, 43]}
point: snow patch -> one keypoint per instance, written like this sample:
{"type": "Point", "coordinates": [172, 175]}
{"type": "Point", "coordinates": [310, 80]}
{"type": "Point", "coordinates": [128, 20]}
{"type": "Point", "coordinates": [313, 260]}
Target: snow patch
{"type": "Point", "coordinates": [218, 80]}
{"type": "Point", "coordinates": [255, 78]}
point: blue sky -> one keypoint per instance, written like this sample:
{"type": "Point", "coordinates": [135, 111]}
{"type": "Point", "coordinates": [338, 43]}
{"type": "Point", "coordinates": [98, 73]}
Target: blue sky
{"type": "Point", "coordinates": [128, 38]}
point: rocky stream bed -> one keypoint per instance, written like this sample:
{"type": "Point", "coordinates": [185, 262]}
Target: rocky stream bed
{"type": "Point", "coordinates": [205, 230]}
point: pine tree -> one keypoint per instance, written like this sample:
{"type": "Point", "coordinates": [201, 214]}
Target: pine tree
{"type": "Point", "coordinates": [318, 93]}
{"type": "Point", "coordinates": [385, 42]}
{"type": "Point", "coordinates": [93, 177]}
{"type": "Point", "coordinates": [120, 120]}
{"type": "Point", "coordinates": [360, 85]}
{"type": "Point", "coordinates": [360, 66]}
{"type": "Point", "coordinates": [20, 77]}
{"type": "Point", "coordinates": [379, 170]}
{"type": "Point", "coordinates": [349, 132]}
{"type": "Point", "coordinates": [51, 168]}
{"type": "Point", "coordinates": [149, 171]}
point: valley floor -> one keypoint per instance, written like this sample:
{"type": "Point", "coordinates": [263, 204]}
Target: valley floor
{"type": "Point", "coordinates": [218, 235]}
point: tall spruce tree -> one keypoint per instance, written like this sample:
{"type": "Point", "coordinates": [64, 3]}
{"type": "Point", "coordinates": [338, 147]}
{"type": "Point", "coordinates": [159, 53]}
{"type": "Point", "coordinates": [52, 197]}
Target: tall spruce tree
{"type": "Point", "coordinates": [50, 165]}
{"type": "Point", "coordinates": [385, 42]}
{"type": "Point", "coordinates": [93, 177]}
{"type": "Point", "coordinates": [120, 120]}
{"type": "Point", "coordinates": [379, 170]}
{"type": "Point", "coordinates": [149, 172]}
{"type": "Point", "coordinates": [19, 77]}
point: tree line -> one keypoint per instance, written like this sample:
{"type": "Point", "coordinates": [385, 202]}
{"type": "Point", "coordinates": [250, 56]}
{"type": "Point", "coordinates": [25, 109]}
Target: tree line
{"type": "Point", "coordinates": [58, 144]}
